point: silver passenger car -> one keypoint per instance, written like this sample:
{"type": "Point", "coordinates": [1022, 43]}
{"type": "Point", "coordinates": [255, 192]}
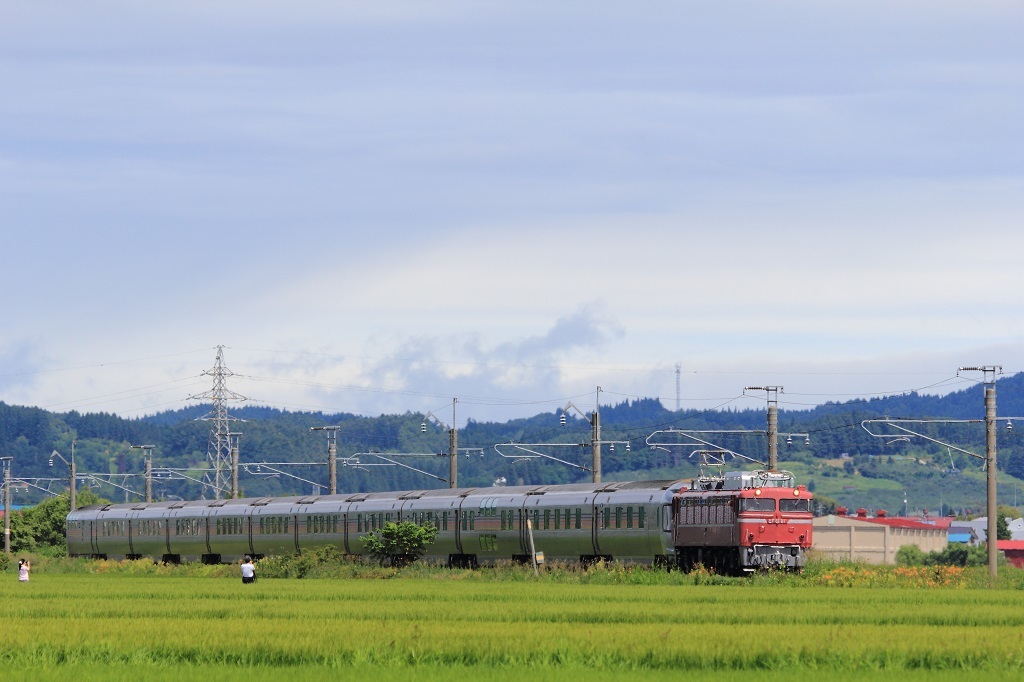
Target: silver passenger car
{"type": "Point", "coordinates": [628, 521]}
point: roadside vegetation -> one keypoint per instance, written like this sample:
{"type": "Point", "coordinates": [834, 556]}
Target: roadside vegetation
{"type": "Point", "coordinates": [328, 563]}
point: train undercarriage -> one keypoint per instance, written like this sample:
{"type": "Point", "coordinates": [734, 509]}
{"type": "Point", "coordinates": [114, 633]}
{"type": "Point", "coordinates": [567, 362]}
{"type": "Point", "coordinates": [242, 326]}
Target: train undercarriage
{"type": "Point", "coordinates": [741, 560]}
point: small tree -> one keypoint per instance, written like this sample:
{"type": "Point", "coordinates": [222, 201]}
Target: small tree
{"type": "Point", "coordinates": [1002, 528]}
{"type": "Point", "coordinates": [398, 544]}
{"type": "Point", "coordinates": [824, 504]}
{"type": "Point", "coordinates": [43, 526]}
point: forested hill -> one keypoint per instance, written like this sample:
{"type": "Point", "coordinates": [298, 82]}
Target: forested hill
{"type": "Point", "coordinates": [268, 435]}
{"type": "Point", "coordinates": [964, 404]}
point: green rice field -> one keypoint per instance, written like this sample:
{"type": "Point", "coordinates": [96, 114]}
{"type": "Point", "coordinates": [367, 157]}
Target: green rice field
{"type": "Point", "coordinates": [155, 627]}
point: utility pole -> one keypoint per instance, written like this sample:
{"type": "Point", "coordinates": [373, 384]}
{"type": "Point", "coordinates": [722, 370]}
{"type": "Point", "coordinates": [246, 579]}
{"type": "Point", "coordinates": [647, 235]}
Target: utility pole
{"type": "Point", "coordinates": [596, 436]}
{"type": "Point", "coordinates": [773, 422]}
{"type": "Point", "coordinates": [453, 451]}
{"type": "Point", "coordinates": [7, 503]}
{"type": "Point", "coordinates": [990, 478]}
{"type": "Point", "coordinates": [332, 456]}
{"type": "Point", "coordinates": [679, 370]}
{"type": "Point", "coordinates": [900, 426]}
{"type": "Point", "coordinates": [714, 454]}
{"type": "Point", "coordinates": [233, 437]}
{"type": "Point", "coordinates": [74, 473]}
{"type": "Point", "coordinates": [74, 480]}
{"type": "Point", "coordinates": [594, 419]}
{"type": "Point", "coordinates": [989, 373]}
{"type": "Point", "coordinates": [453, 443]}
{"type": "Point", "coordinates": [218, 452]}
{"type": "Point", "coordinates": [147, 451]}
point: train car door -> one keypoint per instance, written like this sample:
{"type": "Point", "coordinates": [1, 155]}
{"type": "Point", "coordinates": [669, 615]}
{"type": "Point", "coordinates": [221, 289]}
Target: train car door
{"type": "Point", "coordinates": [524, 529]}
{"type": "Point", "coordinates": [248, 534]}
{"type": "Point", "coordinates": [459, 513]}
{"type": "Point", "coordinates": [132, 529]}
{"type": "Point", "coordinates": [524, 532]}
{"type": "Point", "coordinates": [344, 518]}
{"type": "Point", "coordinates": [596, 516]}
{"type": "Point", "coordinates": [206, 534]}
{"type": "Point", "coordinates": [94, 541]}
{"type": "Point", "coordinates": [524, 541]}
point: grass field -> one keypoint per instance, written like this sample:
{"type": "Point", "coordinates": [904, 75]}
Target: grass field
{"type": "Point", "coordinates": [154, 627]}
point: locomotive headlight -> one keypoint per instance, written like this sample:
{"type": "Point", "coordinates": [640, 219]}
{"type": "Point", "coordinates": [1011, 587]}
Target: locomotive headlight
{"type": "Point", "coordinates": [757, 491]}
{"type": "Point", "coordinates": [796, 493]}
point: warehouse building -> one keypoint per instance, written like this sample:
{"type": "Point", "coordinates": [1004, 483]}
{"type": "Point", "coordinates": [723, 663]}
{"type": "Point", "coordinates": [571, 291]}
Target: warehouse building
{"type": "Point", "coordinates": [873, 540]}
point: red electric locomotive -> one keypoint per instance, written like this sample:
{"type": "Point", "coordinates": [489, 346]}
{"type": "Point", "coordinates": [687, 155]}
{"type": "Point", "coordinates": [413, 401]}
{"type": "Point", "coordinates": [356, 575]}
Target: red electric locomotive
{"type": "Point", "coordinates": [742, 521]}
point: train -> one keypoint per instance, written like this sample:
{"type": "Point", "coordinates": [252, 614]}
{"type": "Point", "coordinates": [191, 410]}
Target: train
{"type": "Point", "coordinates": [737, 522]}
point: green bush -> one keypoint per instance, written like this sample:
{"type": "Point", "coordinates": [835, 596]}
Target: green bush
{"type": "Point", "coordinates": [911, 555]}
{"type": "Point", "coordinates": [398, 544]}
{"type": "Point", "coordinates": [322, 562]}
{"type": "Point", "coordinates": [955, 554]}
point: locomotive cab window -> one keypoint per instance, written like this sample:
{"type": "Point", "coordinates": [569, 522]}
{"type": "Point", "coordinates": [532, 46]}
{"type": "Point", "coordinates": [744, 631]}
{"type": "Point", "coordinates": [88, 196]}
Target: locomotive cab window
{"type": "Point", "coordinates": [757, 504]}
{"type": "Point", "coordinates": [788, 505]}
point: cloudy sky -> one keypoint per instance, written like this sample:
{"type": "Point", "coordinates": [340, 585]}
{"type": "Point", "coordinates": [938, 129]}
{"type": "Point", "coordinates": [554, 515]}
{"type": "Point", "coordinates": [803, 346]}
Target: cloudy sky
{"type": "Point", "coordinates": [379, 206]}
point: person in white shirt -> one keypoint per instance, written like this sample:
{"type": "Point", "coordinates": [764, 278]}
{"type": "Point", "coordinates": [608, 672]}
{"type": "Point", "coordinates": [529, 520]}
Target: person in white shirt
{"type": "Point", "coordinates": [248, 570]}
{"type": "Point", "coordinates": [23, 569]}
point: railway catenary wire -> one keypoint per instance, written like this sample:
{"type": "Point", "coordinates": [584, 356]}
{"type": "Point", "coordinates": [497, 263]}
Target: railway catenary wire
{"type": "Point", "coordinates": [738, 522]}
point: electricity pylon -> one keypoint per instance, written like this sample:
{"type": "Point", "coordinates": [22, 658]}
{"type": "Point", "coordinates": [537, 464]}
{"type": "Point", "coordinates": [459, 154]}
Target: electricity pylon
{"type": "Point", "coordinates": [218, 452]}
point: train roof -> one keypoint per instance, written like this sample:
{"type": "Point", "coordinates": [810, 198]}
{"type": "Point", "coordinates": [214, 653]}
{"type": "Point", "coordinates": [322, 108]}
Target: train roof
{"type": "Point", "coordinates": [399, 495]}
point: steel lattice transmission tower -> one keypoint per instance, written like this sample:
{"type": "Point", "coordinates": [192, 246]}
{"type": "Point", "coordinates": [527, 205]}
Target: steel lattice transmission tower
{"type": "Point", "coordinates": [219, 452]}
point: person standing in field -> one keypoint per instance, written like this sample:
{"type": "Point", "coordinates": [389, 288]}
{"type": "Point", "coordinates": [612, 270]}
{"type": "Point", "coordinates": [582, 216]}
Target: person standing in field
{"type": "Point", "coordinates": [23, 569]}
{"type": "Point", "coordinates": [248, 570]}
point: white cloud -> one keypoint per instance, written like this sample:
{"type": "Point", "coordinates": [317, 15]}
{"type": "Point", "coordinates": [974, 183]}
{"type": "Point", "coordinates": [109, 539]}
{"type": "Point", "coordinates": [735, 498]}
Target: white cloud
{"type": "Point", "coordinates": [424, 191]}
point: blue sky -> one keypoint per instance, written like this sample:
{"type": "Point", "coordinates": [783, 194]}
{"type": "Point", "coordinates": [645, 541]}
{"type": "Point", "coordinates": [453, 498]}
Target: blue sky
{"type": "Point", "coordinates": [376, 207]}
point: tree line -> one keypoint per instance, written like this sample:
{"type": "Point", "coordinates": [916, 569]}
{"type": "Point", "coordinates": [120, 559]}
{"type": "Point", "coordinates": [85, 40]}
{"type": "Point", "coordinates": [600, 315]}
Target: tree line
{"type": "Point", "coordinates": [102, 441]}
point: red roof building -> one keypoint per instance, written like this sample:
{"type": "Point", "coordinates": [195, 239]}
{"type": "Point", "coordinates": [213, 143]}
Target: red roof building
{"type": "Point", "coordinates": [1013, 550]}
{"type": "Point", "coordinates": [882, 516]}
